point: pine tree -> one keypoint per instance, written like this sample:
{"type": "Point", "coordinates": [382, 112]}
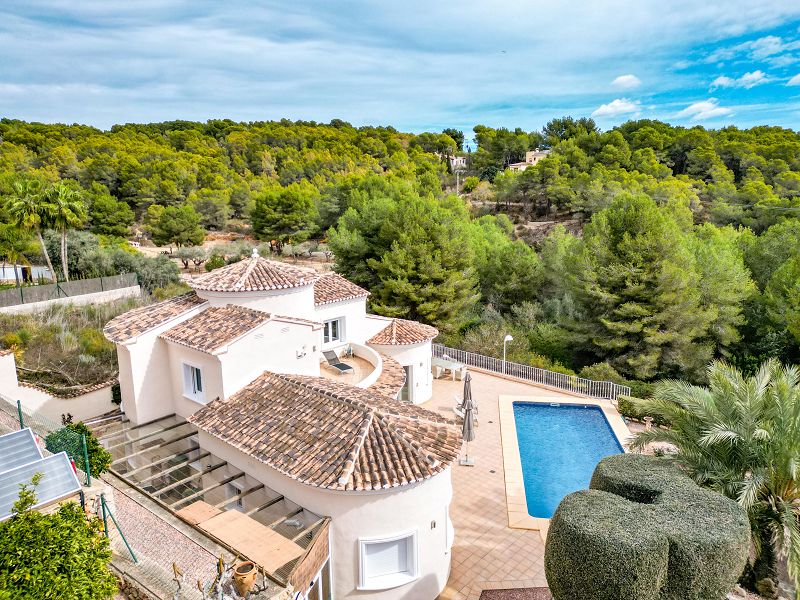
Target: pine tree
{"type": "Point", "coordinates": [639, 287]}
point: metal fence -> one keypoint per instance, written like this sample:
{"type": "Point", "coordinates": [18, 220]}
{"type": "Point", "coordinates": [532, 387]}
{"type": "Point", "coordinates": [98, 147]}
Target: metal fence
{"type": "Point", "coordinates": [65, 289]}
{"type": "Point", "coordinates": [606, 390]}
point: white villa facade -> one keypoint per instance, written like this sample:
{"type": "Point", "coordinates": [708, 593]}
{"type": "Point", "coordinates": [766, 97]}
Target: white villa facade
{"type": "Point", "coordinates": [241, 360]}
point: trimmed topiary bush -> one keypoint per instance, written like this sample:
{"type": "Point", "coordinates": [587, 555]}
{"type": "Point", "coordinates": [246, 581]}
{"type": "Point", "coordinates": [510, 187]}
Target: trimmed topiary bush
{"type": "Point", "coordinates": [645, 531]}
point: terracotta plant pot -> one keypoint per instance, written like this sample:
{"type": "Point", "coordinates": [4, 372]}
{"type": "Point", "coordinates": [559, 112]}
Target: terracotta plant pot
{"type": "Point", "coordinates": [244, 578]}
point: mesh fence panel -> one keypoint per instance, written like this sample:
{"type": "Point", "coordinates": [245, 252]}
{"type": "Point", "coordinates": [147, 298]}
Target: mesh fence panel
{"type": "Point", "coordinates": [66, 440]}
{"type": "Point", "coordinates": [65, 289]}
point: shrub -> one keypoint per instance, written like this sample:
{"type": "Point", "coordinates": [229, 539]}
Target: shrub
{"type": "Point", "coordinates": [171, 290]}
{"type": "Point", "coordinates": [470, 183]}
{"type": "Point", "coordinates": [68, 439]}
{"type": "Point", "coordinates": [93, 342]}
{"type": "Point", "coordinates": [215, 261]}
{"type": "Point", "coordinates": [645, 531]}
{"type": "Point", "coordinates": [56, 555]}
{"type": "Point", "coordinates": [641, 389]}
{"type": "Point", "coordinates": [631, 408]}
{"type": "Point", "coordinates": [603, 371]}
{"type": "Point", "coordinates": [11, 340]}
{"type": "Point", "coordinates": [116, 394]}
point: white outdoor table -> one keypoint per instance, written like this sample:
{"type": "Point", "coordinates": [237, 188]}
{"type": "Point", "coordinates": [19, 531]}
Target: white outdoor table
{"type": "Point", "coordinates": [448, 365]}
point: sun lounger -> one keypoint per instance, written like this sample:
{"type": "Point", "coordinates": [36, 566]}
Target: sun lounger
{"type": "Point", "coordinates": [333, 361]}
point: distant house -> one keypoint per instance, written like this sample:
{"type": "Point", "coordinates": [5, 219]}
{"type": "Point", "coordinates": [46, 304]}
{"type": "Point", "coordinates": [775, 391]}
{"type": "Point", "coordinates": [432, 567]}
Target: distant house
{"type": "Point", "coordinates": [11, 273]}
{"type": "Point", "coordinates": [532, 157]}
{"type": "Point", "coordinates": [458, 162]}
{"type": "Point", "coordinates": [241, 361]}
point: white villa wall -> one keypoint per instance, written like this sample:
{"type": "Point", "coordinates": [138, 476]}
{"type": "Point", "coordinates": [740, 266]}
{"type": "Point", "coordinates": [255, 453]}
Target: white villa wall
{"type": "Point", "coordinates": [418, 357]}
{"type": "Point", "coordinates": [211, 369]}
{"type": "Point", "coordinates": [295, 302]}
{"type": "Point", "coordinates": [8, 372]}
{"type": "Point", "coordinates": [356, 326]}
{"type": "Point", "coordinates": [272, 347]}
{"type": "Point", "coordinates": [368, 515]}
{"type": "Point", "coordinates": [144, 373]}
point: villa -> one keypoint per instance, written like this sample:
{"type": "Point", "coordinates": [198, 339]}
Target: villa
{"type": "Point", "coordinates": [532, 157]}
{"type": "Point", "coordinates": [238, 418]}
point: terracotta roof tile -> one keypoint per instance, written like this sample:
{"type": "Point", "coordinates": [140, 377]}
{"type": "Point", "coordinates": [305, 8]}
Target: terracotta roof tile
{"type": "Point", "coordinates": [400, 332]}
{"type": "Point", "coordinates": [391, 379]}
{"type": "Point", "coordinates": [255, 274]}
{"type": "Point", "coordinates": [332, 435]}
{"type": "Point", "coordinates": [215, 327]}
{"type": "Point", "coordinates": [139, 320]}
{"type": "Point", "coordinates": [332, 287]}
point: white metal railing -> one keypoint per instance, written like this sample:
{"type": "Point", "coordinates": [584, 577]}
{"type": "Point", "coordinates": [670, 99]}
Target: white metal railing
{"type": "Point", "coordinates": [595, 389]}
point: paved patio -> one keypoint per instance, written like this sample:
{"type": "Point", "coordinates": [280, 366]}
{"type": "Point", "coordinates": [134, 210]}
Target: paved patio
{"type": "Point", "coordinates": [487, 553]}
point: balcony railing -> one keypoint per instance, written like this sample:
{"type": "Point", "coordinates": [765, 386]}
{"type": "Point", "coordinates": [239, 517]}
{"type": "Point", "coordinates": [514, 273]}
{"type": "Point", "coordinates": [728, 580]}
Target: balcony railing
{"type": "Point", "coordinates": [605, 390]}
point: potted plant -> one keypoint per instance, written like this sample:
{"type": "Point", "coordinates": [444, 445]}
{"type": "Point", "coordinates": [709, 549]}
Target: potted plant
{"type": "Point", "coordinates": [244, 577]}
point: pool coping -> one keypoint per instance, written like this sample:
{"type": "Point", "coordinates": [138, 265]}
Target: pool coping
{"type": "Point", "coordinates": [516, 501]}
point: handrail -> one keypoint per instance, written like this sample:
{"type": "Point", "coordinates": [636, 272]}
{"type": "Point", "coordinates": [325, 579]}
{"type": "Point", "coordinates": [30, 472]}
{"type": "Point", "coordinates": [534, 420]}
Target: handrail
{"type": "Point", "coordinates": [606, 390]}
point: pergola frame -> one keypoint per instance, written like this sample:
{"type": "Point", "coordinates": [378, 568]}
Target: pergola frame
{"type": "Point", "coordinates": [155, 447]}
{"type": "Point", "coordinates": [144, 437]}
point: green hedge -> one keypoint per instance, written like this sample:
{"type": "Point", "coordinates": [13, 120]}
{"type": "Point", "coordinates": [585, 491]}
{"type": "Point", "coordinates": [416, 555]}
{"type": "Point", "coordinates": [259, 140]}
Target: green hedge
{"type": "Point", "coordinates": [630, 408]}
{"type": "Point", "coordinates": [645, 531]}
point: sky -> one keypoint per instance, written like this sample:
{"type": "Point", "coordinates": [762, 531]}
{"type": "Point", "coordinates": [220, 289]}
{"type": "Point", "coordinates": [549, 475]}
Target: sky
{"type": "Point", "coordinates": [416, 65]}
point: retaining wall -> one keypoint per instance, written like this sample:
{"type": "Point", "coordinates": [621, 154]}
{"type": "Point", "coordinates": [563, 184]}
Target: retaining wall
{"type": "Point", "coordinates": [92, 298]}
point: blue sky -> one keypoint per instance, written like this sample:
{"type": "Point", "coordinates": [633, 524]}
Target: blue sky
{"type": "Point", "coordinates": [420, 66]}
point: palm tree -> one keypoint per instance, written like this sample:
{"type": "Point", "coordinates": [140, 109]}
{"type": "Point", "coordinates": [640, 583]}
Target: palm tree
{"type": "Point", "coordinates": [14, 244]}
{"type": "Point", "coordinates": [741, 437]}
{"type": "Point", "coordinates": [68, 210]}
{"type": "Point", "coordinates": [28, 209]}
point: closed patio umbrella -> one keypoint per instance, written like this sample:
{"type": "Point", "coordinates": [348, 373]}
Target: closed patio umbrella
{"type": "Point", "coordinates": [467, 393]}
{"type": "Point", "coordinates": [468, 428]}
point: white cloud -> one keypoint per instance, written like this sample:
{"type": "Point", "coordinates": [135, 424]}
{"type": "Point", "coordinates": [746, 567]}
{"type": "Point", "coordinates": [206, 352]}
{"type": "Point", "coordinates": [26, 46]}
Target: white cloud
{"type": "Point", "coordinates": [747, 81]}
{"type": "Point", "coordinates": [771, 48]}
{"type": "Point", "coordinates": [794, 80]}
{"type": "Point", "coordinates": [706, 109]}
{"type": "Point", "coordinates": [401, 65]}
{"type": "Point", "coordinates": [626, 82]}
{"type": "Point", "coordinates": [620, 106]}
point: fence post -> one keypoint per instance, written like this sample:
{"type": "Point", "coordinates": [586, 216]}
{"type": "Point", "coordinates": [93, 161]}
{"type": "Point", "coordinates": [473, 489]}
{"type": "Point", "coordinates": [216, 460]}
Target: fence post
{"type": "Point", "coordinates": [103, 509]}
{"type": "Point", "coordinates": [86, 460]}
{"type": "Point", "coordinates": [19, 413]}
{"type": "Point", "coordinates": [105, 524]}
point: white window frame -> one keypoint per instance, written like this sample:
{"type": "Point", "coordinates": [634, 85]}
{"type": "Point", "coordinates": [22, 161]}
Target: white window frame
{"type": "Point", "coordinates": [190, 389]}
{"type": "Point", "coordinates": [327, 339]}
{"type": "Point", "coordinates": [382, 582]}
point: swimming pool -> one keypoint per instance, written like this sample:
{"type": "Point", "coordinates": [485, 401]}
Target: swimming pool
{"type": "Point", "coordinates": [559, 447]}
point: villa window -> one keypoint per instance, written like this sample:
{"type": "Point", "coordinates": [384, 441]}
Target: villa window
{"type": "Point", "coordinates": [193, 383]}
{"type": "Point", "coordinates": [333, 331]}
{"type": "Point", "coordinates": [388, 562]}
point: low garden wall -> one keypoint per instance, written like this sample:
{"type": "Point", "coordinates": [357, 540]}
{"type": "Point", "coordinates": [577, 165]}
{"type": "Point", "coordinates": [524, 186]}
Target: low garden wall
{"type": "Point", "coordinates": [92, 401]}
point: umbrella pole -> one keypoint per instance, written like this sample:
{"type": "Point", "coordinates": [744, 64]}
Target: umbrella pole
{"type": "Point", "coordinates": [467, 461]}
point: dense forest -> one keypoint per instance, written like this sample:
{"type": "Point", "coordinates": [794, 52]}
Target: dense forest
{"type": "Point", "coordinates": [677, 245]}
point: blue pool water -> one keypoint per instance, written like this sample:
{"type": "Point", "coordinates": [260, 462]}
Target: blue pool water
{"type": "Point", "coordinates": [559, 446]}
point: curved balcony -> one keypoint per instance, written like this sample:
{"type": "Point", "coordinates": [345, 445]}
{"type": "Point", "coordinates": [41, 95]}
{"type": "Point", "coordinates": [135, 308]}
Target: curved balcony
{"type": "Point", "coordinates": [366, 363]}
